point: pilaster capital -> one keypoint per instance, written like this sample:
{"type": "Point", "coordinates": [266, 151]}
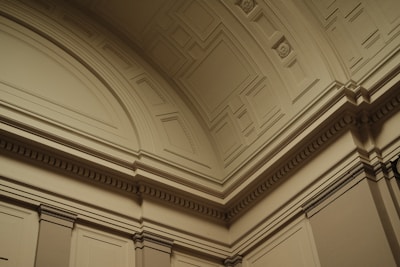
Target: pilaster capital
{"type": "Point", "coordinates": [57, 216]}
{"type": "Point", "coordinates": [154, 241]}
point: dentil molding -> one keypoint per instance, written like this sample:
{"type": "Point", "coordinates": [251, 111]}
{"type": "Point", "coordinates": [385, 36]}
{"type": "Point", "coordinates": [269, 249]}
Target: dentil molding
{"type": "Point", "coordinates": [38, 154]}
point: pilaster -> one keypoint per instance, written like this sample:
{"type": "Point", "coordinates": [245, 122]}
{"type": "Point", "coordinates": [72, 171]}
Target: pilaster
{"type": "Point", "coordinates": [152, 250]}
{"type": "Point", "coordinates": [54, 239]}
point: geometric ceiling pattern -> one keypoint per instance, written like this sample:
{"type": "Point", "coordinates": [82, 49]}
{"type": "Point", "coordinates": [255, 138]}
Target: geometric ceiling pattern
{"type": "Point", "coordinates": [200, 92]}
{"type": "Point", "coordinates": [246, 68]}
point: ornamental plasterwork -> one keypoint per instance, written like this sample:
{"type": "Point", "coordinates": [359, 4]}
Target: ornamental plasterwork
{"type": "Point", "coordinates": [246, 5]}
{"type": "Point", "coordinates": [283, 49]}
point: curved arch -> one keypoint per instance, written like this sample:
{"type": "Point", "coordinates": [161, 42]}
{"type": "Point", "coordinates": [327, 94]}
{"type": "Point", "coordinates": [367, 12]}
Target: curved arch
{"type": "Point", "coordinates": [155, 127]}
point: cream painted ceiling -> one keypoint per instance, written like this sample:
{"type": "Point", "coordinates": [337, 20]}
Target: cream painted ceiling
{"type": "Point", "coordinates": [211, 94]}
{"type": "Point", "coordinates": [217, 52]}
{"type": "Point", "coordinates": [254, 72]}
{"type": "Point", "coordinates": [218, 99]}
{"type": "Point", "coordinates": [245, 68]}
{"type": "Point", "coordinates": [243, 82]}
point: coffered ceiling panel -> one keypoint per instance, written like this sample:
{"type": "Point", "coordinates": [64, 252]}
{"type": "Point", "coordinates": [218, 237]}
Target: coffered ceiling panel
{"type": "Point", "coordinates": [199, 18]}
{"type": "Point", "coordinates": [243, 67]}
{"type": "Point", "coordinates": [221, 72]}
{"type": "Point", "coordinates": [205, 93]}
{"type": "Point", "coordinates": [134, 17]}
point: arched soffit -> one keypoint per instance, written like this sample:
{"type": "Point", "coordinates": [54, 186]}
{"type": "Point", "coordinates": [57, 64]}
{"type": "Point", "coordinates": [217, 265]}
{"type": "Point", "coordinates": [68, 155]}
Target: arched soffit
{"type": "Point", "coordinates": [66, 77]}
{"type": "Point", "coordinates": [55, 93]}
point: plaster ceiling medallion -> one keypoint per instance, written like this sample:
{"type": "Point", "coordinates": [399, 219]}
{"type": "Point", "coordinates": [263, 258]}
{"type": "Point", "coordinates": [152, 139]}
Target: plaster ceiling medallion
{"type": "Point", "coordinates": [283, 49]}
{"type": "Point", "coordinates": [246, 5]}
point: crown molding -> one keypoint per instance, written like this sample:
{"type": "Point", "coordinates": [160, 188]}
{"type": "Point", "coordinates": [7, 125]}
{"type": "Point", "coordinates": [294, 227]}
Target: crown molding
{"type": "Point", "coordinates": [59, 161]}
{"type": "Point", "coordinates": [213, 207]}
{"type": "Point", "coordinates": [178, 200]}
{"type": "Point", "coordinates": [386, 109]}
{"type": "Point", "coordinates": [290, 164]}
{"type": "Point", "coordinates": [367, 106]}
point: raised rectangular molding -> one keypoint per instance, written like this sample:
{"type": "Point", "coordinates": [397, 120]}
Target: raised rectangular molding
{"type": "Point", "coordinates": [98, 248]}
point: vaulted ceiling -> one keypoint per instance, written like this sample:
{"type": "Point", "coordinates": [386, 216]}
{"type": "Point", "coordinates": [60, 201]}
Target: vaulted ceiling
{"type": "Point", "coordinates": [245, 69]}
{"type": "Point", "coordinates": [210, 95]}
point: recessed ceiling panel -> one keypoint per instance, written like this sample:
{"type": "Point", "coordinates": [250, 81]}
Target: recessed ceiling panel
{"type": "Point", "coordinates": [219, 74]}
{"type": "Point", "coordinates": [133, 16]}
{"type": "Point", "coordinates": [200, 19]}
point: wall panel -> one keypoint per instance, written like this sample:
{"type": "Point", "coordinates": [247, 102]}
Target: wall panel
{"type": "Point", "coordinates": [18, 236]}
{"type": "Point", "coordinates": [183, 260]}
{"type": "Point", "coordinates": [92, 248]}
{"type": "Point", "coordinates": [292, 246]}
{"type": "Point", "coordinates": [349, 232]}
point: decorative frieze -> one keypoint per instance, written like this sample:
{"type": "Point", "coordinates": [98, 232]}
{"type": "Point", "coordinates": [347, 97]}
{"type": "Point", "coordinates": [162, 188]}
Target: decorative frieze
{"type": "Point", "coordinates": [74, 167]}
{"type": "Point", "coordinates": [58, 160]}
{"type": "Point", "coordinates": [290, 165]}
{"type": "Point", "coordinates": [183, 202]}
{"type": "Point", "coordinates": [385, 109]}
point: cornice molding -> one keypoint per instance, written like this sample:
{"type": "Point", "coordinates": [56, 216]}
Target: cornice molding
{"type": "Point", "coordinates": [168, 196]}
{"type": "Point", "coordinates": [385, 109]}
{"type": "Point", "coordinates": [75, 167]}
{"type": "Point", "coordinates": [171, 197]}
{"type": "Point", "coordinates": [55, 159]}
{"type": "Point", "coordinates": [225, 213]}
{"type": "Point", "coordinates": [315, 145]}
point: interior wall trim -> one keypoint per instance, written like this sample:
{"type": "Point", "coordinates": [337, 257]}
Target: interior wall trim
{"type": "Point", "coordinates": [228, 212]}
{"type": "Point", "coordinates": [335, 189]}
{"type": "Point", "coordinates": [58, 161]}
{"type": "Point", "coordinates": [290, 165]}
{"type": "Point", "coordinates": [57, 216]}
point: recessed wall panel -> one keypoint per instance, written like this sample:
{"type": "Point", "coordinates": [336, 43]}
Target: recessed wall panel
{"type": "Point", "coordinates": [291, 247]}
{"type": "Point", "coordinates": [92, 248]}
{"type": "Point", "coordinates": [18, 236]}
{"type": "Point", "coordinates": [182, 260]}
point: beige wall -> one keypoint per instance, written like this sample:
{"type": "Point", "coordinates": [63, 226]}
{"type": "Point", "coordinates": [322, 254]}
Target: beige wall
{"type": "Point", "coordinates": [292, 245]}
{"type": "Point", "coordinates": [349, 231]}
